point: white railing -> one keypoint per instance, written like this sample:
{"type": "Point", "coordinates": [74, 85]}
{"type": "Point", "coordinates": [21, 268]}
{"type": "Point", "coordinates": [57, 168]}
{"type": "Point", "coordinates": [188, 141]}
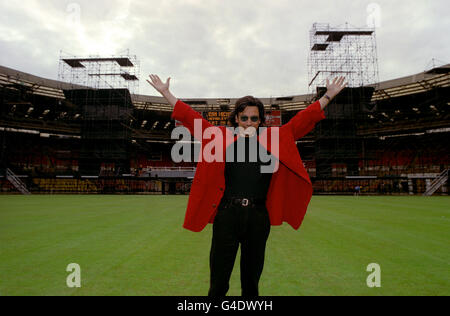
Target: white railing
{"type": "Point", "coordinates": [171, 169]}
{"type": "Point", "coordinates": [437, 183]}
{"type": "Point", "coordinates": [18, 184]}
{"type": "Point", "coordinates": [170, 172]}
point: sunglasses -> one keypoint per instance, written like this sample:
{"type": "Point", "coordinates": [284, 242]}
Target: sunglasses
{"type": "Point", "coordinates": [254, 119]}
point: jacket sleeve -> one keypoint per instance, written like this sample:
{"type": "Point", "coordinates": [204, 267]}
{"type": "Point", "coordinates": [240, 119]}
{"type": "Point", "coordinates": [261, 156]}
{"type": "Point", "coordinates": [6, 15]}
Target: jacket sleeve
{"type": "Point", "coordinates": [188, 116]}
{"type": "Point", "coordinates": [304, 121]}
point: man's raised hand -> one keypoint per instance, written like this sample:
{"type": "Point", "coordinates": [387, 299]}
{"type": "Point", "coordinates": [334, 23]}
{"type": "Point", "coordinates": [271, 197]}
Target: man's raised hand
{"type": "Point", "coordinates": [334, 88]}
{"type": "Point", "coordinates": [158, 84]}
{"type": "Point", "coordinates": [163, 88]}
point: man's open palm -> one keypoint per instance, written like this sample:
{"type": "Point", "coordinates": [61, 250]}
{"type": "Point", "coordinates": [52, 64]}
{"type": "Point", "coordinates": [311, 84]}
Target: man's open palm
{"type": "Point", "coordinates": [336, 86]}
{"type": "Point", "coordinates": [158, 84]}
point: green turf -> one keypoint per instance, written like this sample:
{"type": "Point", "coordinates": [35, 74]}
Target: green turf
{"type": "Point", "coordinates": [134, 245]}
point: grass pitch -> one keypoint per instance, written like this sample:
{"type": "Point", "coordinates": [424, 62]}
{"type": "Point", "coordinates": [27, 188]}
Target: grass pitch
{"type": "Point", "coordinates": [135, 245]}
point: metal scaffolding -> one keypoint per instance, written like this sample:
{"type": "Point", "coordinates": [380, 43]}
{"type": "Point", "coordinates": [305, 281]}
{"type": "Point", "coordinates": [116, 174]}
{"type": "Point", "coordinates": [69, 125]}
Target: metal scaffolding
{"type": "Point", "coordinates": [116, 72]}
{"type": "Point", "coordinates": [342, 51]}
{"type": "Point", "coordinates": [106, 109]}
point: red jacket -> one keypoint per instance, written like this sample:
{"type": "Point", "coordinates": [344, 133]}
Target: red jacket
{"type": "Point", "coordinates": [290, 189]}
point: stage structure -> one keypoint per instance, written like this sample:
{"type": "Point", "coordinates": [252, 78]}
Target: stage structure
{"type": "Point", "coordinates": [116, 72]}
{"type": "Point", "coordinates": [348, 52]}
{"type": "Point", "coordinates": [338, 148]}
{"type": "Point", "coordinates": [105, 132]}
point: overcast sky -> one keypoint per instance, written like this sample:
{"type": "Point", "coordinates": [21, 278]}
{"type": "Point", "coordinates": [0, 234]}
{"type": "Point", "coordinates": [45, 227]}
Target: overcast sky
{"type": "Point", "coordinates": [218, 48]}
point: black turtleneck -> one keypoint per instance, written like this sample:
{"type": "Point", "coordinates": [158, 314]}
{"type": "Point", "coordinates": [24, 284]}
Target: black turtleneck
{"type": "Point", "coordinates": [245, 179]}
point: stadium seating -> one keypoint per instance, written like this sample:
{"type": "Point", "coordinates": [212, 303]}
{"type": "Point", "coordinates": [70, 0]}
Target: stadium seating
{"type": "Point", "coordinates": [7, 187]}
{"type": "Point", "coordinates": [93, 186]}
{"type": "Point", "coordinates": [400, 152]}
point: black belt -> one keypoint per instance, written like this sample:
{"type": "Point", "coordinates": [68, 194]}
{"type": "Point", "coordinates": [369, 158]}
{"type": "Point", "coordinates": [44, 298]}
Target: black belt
{"type": "Point", "coordinates": [243, 202]}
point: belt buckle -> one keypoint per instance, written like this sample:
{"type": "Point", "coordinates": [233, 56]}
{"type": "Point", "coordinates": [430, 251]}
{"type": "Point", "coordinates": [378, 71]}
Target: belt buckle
{"type": "Point", "coordinates": [244, 202]}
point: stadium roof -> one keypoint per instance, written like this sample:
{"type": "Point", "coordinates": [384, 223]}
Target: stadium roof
{"type": "Point", "coordinates": [39, 85]}
{"type": "Point", "coordinates": [421, 82]}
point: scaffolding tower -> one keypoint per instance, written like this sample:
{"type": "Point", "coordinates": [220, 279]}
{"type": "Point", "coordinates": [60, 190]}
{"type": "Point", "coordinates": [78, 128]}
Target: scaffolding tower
{"type": "Point", "coordinates": [342, 51]}
{"type": "Point", "coordinates": [349, 52]}
{"type": "Point", "coordinates": [104, 101]}
{"type": "Point", "coordinates": [115, 72]}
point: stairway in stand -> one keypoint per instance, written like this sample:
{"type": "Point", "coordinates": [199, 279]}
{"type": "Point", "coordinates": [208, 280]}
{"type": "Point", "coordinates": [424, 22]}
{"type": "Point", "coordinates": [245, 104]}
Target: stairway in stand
{"type": "Point", "coordinates": [17, 182]}
{"type": "Point", "coordinates": [437, 183]}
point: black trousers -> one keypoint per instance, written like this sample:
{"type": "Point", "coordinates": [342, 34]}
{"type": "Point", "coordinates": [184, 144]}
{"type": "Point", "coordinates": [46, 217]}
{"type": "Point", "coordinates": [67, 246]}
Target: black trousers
{"type": "Point", "coordinates": [234, 225]}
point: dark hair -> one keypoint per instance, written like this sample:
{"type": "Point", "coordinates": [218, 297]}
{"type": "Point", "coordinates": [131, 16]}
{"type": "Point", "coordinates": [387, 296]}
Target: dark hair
{"type": "Point", "coordinates": [240, 106]}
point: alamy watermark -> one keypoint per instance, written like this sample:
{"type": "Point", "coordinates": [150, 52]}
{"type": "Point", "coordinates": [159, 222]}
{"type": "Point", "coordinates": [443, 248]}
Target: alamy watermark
{"type": "Point", "coordinates": [212, 150]}
{"type": "Point", "coordinates": [373, 19]}
{"type": "Point", "coordinates": [73, 17]}
{"type": "Point", "coordinates": [73, 280]}
{"type": "Point", "coordinates": [73, 14]}
{"type": "Point", "coordinates": [374, 278]}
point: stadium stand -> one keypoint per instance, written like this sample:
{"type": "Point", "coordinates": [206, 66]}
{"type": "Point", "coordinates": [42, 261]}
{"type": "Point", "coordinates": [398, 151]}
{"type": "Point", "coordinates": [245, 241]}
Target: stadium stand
{"type": "Point", "coordinates": [402, 134]}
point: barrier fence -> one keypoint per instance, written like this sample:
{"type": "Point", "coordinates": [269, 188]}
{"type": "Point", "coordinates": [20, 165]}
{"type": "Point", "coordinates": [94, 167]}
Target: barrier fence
{"type": "Point", "coordinates": [384, 186]}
